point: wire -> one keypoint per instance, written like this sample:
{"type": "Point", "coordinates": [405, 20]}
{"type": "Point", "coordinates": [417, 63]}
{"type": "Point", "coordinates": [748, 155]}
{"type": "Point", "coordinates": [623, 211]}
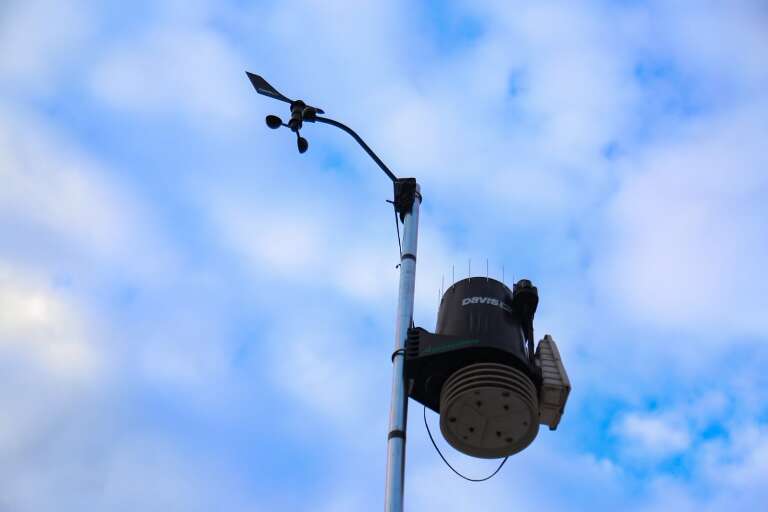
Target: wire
{"type": "Point", "coordinates": [400, 351]}
{"type": "Point", "coordinates": [449, 464]}
{"type": "Point", "coordinates": [397, 227]}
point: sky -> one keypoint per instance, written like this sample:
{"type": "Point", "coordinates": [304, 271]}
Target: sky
{"type": "Point", "coordinates": [193, 316]}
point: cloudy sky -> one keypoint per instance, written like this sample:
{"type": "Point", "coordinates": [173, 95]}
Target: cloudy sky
{"type": "Point", "coordinates": [193, 316]}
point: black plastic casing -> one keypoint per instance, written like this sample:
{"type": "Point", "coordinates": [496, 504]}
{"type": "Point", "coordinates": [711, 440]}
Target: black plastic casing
{"type": "Point", "coordinates": [480, 320]}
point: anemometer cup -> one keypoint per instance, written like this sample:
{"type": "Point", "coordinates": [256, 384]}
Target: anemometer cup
{"type": "Point", "coordinates": [302, 144]}
{"type": "Point", "coordinates": [274, 122]}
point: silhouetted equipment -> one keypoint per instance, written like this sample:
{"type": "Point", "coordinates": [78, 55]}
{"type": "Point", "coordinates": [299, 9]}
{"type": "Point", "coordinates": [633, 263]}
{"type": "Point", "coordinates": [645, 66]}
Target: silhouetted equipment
{"type": "Point", "coordinates": [274, 122]}
{"type": "Point", "coordinates": [301, 112]}
{"type": "Point", "coordinates": [479, 370]}
{"type": "Point", "coordinates": [302, 144]}
{"type": "Point", "coordinates": [263, 87]}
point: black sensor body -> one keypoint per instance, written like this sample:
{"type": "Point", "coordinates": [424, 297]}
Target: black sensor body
{"type": "Point", "coordinates": [480, 320]}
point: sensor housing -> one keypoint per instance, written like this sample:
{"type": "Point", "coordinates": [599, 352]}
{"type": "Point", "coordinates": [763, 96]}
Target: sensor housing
{"type": "Point", "coordinates": [479, 370]}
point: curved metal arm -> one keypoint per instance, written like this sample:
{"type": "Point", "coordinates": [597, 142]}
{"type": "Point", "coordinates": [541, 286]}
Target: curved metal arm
{"type": "Point", "coordinates": [360, 141]}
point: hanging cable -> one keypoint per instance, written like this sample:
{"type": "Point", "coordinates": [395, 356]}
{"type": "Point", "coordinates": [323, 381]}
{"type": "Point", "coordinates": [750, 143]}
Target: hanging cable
{"type": "Point", "coordinates": [449, 464]}
{"type": "Point", "coordinates": [397, 228]}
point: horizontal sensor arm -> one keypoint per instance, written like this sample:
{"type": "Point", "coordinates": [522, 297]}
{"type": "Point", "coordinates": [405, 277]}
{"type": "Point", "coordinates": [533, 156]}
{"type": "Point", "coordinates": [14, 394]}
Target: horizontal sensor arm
{"type": "Point", "coordinates": [359, 140]}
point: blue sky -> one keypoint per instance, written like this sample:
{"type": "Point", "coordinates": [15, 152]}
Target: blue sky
{"type": "Point", "coordinates": [193, 316]}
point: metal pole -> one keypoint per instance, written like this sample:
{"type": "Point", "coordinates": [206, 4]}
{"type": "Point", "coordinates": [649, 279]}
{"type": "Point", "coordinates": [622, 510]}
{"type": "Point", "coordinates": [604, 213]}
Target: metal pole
{"type": "Point", "coordinates": [398, 409]}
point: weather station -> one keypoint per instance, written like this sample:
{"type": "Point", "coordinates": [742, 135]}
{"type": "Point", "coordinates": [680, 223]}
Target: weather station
{"type": "Point", "coordinates": [479, 370]}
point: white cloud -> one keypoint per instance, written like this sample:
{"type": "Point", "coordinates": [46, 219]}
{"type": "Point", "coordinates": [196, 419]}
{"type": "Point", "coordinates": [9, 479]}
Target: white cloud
{"type": "Point", "coordinates": [709, 37]}
{"type": "Point", "coordinates": [745, 465]}
{"type": "Point", "coordinates": [727, 476]}
{"type": "Point", "coordinates": [146, 473]}
{"type": "Point", "coordinates": [328, 371]}
{"type": "Point", "coordinates": [688, 236]}
{"type": "Point", "coordinates": [273, 238]}
{"type": "Point", "coordinates": [175, 69]}
{"type": "Point", "coordinates": [51, 355]}
{"type": "Point", "coordinates": [38, 39]}
{"type": "Point", "coordinates": [39, 323]}
{"type": "Point", "coordinates": [653, 436]}
{"type": "Point", "coordinates": [100, 465]}
{"type": "Point", "coordinates": [546, 476]}
{"type": "Point", "coordinates": [57, 200]}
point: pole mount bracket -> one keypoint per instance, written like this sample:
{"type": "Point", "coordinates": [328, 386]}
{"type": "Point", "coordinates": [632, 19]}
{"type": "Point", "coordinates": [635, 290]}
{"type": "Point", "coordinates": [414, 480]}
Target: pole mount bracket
{"type": "Point", "coordinates": [405, 195]}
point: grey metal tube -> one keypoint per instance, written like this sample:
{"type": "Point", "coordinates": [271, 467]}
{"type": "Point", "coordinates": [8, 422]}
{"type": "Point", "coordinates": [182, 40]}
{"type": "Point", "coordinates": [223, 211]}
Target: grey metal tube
{"type": "Point", "coordinates": [398, 409]}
